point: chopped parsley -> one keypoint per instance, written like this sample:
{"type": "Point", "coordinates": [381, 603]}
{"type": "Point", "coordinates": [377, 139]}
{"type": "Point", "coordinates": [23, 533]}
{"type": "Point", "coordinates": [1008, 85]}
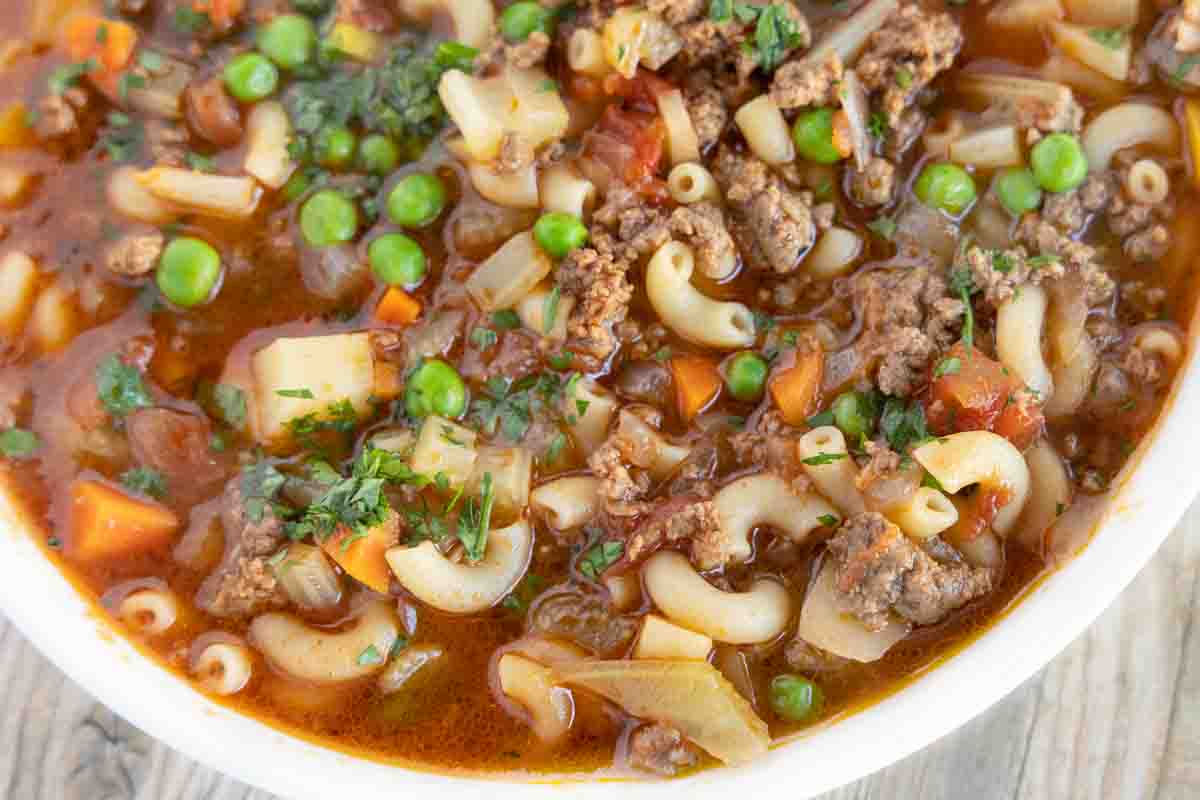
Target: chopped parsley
{"type": "Point", "coordinates": [774, 35]}
{"type": "Point", "coordinates": [260, 487]}
{"type": "Point", "coordinates": [1002, 261]}
{"type": "Point", "coordinates": [128, 82]}
{"type": "Point", "coordinates": [370, 656]}
{"type": "Point", "coordinates": [663, 354]}
{"type": "Point", "coordinates": [120, 387]}
{"type": "Point", "coordinates": [962, 282]}
{"type": "Point", "coordinates": [902, 424]}
{"type": "Point", "coordinates": [557, 444]}
{"type": "Point", "coordinates": [476, 519]}
{"type": "Point", "coordinates": [1112, 38]}
{"type": "Point", "coordinates": [200, 163]}
{"type": "Point", "coordinates": [338, 418]}
{"type": "Point", "coordinates": [820, 459]}
{"type": "Point", "coordinates": [189, 20]}
{"type": "Point", "coordinates": [18, 443]}
{"type": "Point", "coordinates": [828, 520]}
{"type": "Point", "coordinates": [523, 594]}
{"type": "Point", "coordinates": [930, 482]}
{"type": "Point", "coordinates": [301, 394]}
{"type": "Point", "coordinates": [506, 319]}
{"type": "Point", "coordinates": [504, 406]}
{"type": "Point", "coordinates": [720, 10]}
{"type": "Point", "coordinates": [484, 338]}
{"type": "Point", "coordinates": [883, 226]}
{"type": "Point", "coordinates": [226, 401]}
{"type": "Point", "coordinates": [600, 557]}
{"type": "Point", "coordinates": [1179, 75]}
{"type": "Point", "coordinates": [877, 125]}
{"type": "Point", "coordinates": [820, 420]}
{"type": "Point", "coordinates": [904, 77]}
{"type": "Point", "coordinates": [151, 60]}
{"type": "Point", "coordinates": [947, 366]}
{"type": "Point", "coordinates": [1044, 260]}
{"type": "Point", "coordinates": [68, 75]}
{"type": "Point", "coordinates": [144, 480]}
{"type": "Point", "coordinates": [455, 55]}
{"type": "Point", "coordinates": [123, 138]}
{"type": "Point", "coordinates": [550, 310]}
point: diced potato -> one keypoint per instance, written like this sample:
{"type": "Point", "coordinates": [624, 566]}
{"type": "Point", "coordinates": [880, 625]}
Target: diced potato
{"type": "Point", "coordinates": [395, 440]}
{"type": "Point", "coordinates": [1025, 15]}
{"type": "Point", "coordinates": [224, 196]}
{"type": "Point", "coordinates": [692, 696]}
{"type": "Point", "coordinates": [509, 274]}
{"type": "Point", "coordinates": [511, 469]}
{"type": "Point", "coordinates": [519, 101]}
{"type": "Point", "coordinates": [446, 448]}
{"type": "Point", "coordinates": [268, 131]}
{"type": "Point", "coordinates": [533, 309]}
{"type": "Point", "coordinates": [54, 320]}
{"type": "Point", "coordinates": [129, 197]}
{"type": "Point", "coordinates": [332, 369]}
{"type": "Point", "coordinates": [537, 111]}
{"type": "Point", "coordinates": [662, 639]}
{"type": "Point", "coordinates": [18, 286]}
{"type": "Point", "coordinates": [1087, 45]}
{"type": "Point", "coordinates": [358, 43]}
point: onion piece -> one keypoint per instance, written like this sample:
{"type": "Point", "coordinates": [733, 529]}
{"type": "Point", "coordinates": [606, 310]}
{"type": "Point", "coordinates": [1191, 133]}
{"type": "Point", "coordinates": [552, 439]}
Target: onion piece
{"type": "Point", "coordinates": [854, 103]}
{"type": "Point", "coordinates": [692, 696]}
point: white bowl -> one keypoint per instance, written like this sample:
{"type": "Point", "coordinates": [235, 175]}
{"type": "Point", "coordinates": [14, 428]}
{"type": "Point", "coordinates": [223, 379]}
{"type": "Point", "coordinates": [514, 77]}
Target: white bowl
{"type": "Point", "coordinates": [1145, 506]}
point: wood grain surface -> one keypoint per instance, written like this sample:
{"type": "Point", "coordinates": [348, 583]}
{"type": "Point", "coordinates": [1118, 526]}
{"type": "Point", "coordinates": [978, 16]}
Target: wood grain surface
{"type": "Point", "coordinates": [1116, 716]}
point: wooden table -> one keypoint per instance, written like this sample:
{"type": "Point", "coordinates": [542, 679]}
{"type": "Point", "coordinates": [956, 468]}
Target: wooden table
{"type": "Point", "coordinates": [1115, 716]}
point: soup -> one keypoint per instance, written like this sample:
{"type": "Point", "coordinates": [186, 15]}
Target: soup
{"type": "Point", "coordinates": [580, 387]}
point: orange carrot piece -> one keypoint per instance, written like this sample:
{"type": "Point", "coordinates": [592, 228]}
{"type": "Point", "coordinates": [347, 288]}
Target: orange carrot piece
{"type": "Point", "coordinates": [795, 388]}
{"type": "Point", "coordinates": [223, 13]}
{"type": "Point", "coordinates": [697, 382]}
{"type": "Point", "coordinates": [109, 42]}
{"type": "Point", "coordinates": [362, 558]}
{"type": "Point", "coordinates": [398, 307]}
{"type": "Point", "coordinates": [108, 524]}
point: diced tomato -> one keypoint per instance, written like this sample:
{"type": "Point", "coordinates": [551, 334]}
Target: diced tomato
{"type": "Point", "coordinates": [643, 88]}
{"type": "Point", "coordinates": [630, 144]}
{"type": "Point", "coordinates": [979, 511]}
{"type": "Point", "coordinates": [975, 393]}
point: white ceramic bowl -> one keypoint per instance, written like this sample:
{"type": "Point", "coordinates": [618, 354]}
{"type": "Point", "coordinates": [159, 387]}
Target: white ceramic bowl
{"type": "Point", "coordinates": [1144, 508]}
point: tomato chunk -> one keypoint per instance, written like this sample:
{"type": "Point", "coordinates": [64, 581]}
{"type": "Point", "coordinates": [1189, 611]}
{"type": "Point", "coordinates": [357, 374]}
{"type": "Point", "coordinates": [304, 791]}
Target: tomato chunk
{"type": "Point", "coordinates": [971, 392]}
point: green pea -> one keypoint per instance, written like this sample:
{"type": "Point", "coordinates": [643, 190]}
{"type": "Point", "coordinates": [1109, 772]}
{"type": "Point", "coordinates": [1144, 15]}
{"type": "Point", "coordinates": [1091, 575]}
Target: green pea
{"type": "Point", "coordinates": [416, 201]}
{"type": "Point", "coordinates": [397, 260]}
{"type": "Point", "coordinates": [333, 146]}
{"type": "Point", "coordinates": [378, 154]}
{"type": "Point", "coordinates": [314, 8]}
{"type": "Point", "coordinates": [250, 77]}
{"type": "Point", "coordinates": [558, 233]}
{"type": "Point", "coordinates": [746, 375]}
{"type": "Point", "coordinates": [1058, 162]}
{"type": "Point", "coordinates": [328, 218]}
{"type": "Point", "coordinates": [523, 18]}
{"type": "Point", "coordinates": [813, 135]}
{"type": "Point", "coordinates": [852, 414]}
{"type": "Point", "coordinates": [289, 40]}
{"type": "Point", "coordinates": [947, 187]}
{"type": "Point", "coordinates": [1017, 190]}
{"type": "Point", "coordinates": [795, 698]}
{"type": "Point", "coordinates": [188, 271]}
{"type": "Point", "coordinates": [435, 387]}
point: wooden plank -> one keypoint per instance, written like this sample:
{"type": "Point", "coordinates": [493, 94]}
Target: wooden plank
{"type": "Point", "coordinates": [1116, 716]}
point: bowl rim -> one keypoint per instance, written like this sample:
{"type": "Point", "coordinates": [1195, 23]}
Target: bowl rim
{"type": "Point", "coordinates": [1142, 510]}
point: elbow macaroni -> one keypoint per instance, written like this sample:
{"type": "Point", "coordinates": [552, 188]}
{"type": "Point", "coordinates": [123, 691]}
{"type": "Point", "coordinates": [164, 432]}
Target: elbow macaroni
{"type": "Point", "coordinates": [925, 514]}
{"type": "Point", "coordinates": [766, 499]}
{"type": "Point", "coordinates": [683, 145]}
{"type": "Point", "coordinates": [765, 130]}
{"type": "Point", "coordinates": [1019, 324]}
{"type": "Point", "coordinates": [316, 655]}
{"type": "Point", "coordinates": [686, 598]}
{"type": "Point", "coordinates": [1126, 125]}
{"type": "Point", "coordinates": [982, 457]}
{"type": "Point", "coordinates": [688, 312]}
{"type": "Point", "coordinates": [691, 183]}
{"type": "Point", "coordinates": [835, 479]}
{"type": "Point", "coordinates": [562, 190]}
{"type": "Point", "coordinates": [567, 503]}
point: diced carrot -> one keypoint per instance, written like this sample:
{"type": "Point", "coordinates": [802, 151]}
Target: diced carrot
{"type": "Point", "coordinates": [843, 142]}
{"type": "Point", "coordinates": [14, 126]}
{"type": "Point", "coordinates": [108, 524]}
{"type": "Point", "coordinates": [697, 383]}
{"type": "Point", "coordinates": [109, 42]}
{"type": "Point", "coordinates": [172, 369]}
{"type": "Point", "coordinates": [1191, 116]}
{"type": "Point", "coordinates": [795, 388]}
{"type": "Point", "coordinates": [363, 558]}
{"type": "Point", "coordinates": [398, 307]}
{"type": "Point", "coordinates": [388, 380]}
{"type": "Point", "coordinates": [223, 13]}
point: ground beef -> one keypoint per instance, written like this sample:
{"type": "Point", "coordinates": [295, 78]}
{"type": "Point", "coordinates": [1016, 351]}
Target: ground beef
{"type": "Point", "coordinates": [770, 446]}
{"type": "Point", "coordinates": [1150, 244]}
{"type": "Point", "coordinates": [1070, 211]}
{"type": "Point", "coordinates": [211, 113]}
{"type": "Point", "coordinates": [879, 572]}
{"type": "Point", "coordinates": [677, 12]}
{"type": "Point", "coordinates": [906, 54]}
{"type": "Point", "coordinates": [1041, 116]}
{"type": "Point", "coordinates": [244, 583]}
{"type": "Point", "coordinates": [1144, 300]}
{"type": "Point", "coordinates": [622, 486]}
{"type": "Point", "coordinates": [166, 143]}
{"type": "Point", "coordinates": [907, 316]}
{"type": "Point", "coordinates": [706, 107]}
{"type": "Point", "coordinates": [661, 750]}
{"type": "Point", "coordinates": [1144, 366]}
{"type": "Point", "coordinates": [598, 281]}
{"type": "Point", "coordinates": [581, 613]}
{"type": "Point", "coordinates": [134, 255]}
{"type": "Point", "coordinates": [800, 83]}
{"type": "Point", "coordinates": [1071, 257]}
{"type": "Point", "coordinates": [702, 226]}
{"type": "Point", "coordinates": [61, 117]}
{"type": "Point", "coordinates": [639, 226]}
{"type": "Point", "coordinates": [875, 185]}
{"type": "Point", "coordinates": [689, 521]}
{"type": "Point", "coordinates": [775, 223]}
{"type": "Point", "coordinates": [1143, 225]}
{"type": "Point", "coordinates": [695, 474]}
